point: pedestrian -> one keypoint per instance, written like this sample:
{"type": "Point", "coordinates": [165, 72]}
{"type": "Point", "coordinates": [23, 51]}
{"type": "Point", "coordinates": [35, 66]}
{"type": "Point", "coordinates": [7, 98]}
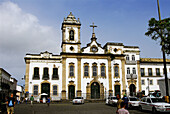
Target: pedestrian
{"type": "Point", "coordinates": [123, 110]}
{"type": "Point", "coordinates": [125, 100]}
{"type": "Point", "coordinates": [48, 101]}
{"type": "Point", "coordinates": [10, 104]}
{"type": "Point", "coordinates": [32, 100]}
{"type": "Point", "coordinates": [118, 103]}
{"type": "Point", "coordinates": [26, 99]}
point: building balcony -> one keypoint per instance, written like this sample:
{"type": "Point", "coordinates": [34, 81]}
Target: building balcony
{"type": "Point", "coordinates": [131, 76]}
{"type": "Point", "coordinates": [55, 77]}
{"type": "Point", "coordinates": [36, 77]}
{"type": "Point", "coordinates": [131, 62]}
{"type": "Point", "coordinates": [46, 77]}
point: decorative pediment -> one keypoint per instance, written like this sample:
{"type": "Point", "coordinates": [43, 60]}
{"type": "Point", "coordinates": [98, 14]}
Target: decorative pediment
{"type": "Point", "coordinates": [46, 54]}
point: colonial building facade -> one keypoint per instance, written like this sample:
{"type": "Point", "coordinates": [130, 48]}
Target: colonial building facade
{"type": "Point", "coordinates": [93, 72]}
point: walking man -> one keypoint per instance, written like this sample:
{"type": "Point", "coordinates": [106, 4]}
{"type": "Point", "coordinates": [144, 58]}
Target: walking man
{"type": "Point", "coordinates": [118, 102]}
{"type": "Point", "coordinates": [10, 104]}
{"type": "Point", "coordinates": [48, 101]}
{"type": "Point", "coordinates": [32, 100]}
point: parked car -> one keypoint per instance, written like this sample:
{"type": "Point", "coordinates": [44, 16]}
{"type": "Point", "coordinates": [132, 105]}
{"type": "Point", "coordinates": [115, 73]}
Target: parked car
{"type": "Point", "coordinates": [78, 100]}
{"type": "Point", "coordinates": [111, 100]}
{"type": "Point", "coordinates": [154, 104]}
{"type": "Point", "coordinates": [133, 102]}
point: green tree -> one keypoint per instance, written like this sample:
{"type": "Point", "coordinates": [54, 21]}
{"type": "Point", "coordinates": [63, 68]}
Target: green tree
{"type": "Point", "coordinates": [160, 30]}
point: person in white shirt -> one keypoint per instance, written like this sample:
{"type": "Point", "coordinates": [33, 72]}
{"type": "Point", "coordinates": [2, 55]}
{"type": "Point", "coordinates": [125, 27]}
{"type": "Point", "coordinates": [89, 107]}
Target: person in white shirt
{"type": "Point", "coordinates": [123, 110]}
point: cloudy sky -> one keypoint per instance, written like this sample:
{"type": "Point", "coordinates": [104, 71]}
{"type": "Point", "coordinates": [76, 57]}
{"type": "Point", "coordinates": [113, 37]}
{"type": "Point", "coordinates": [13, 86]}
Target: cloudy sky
{"type": "Point", "coordinates": [34, 26]}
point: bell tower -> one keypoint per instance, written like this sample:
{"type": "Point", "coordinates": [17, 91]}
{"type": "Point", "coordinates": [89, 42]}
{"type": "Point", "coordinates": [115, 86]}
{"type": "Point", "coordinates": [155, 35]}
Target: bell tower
{"type": "Point", "coordinates": [71, 34]}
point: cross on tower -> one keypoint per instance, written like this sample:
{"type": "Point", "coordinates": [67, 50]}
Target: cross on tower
{"type": "Point", "coordinates": [93, 26]}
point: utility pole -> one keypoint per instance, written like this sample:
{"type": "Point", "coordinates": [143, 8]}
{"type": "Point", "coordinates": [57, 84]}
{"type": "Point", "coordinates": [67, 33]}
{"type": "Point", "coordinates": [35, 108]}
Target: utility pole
{"type": "Point", "coordinates": [164, 56]}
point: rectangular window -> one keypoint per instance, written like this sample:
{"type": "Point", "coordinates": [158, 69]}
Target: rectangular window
{"type": "Point", "coordinates": [55, 73]}
{"type": "Point", "coordinates": [151, 82]}
{"type": "Point", "coordinates": [71, 70]}
{"type": "Point", "coordinates": [142, 70]}
{"type": "Point", "coordinates": [102, 70]}
{"type": "Point", "coordinates": [150, 71]}
{"type": "Point", "coordinates": [86, 70]}
{"type": "Point", "coordinates": [157, 72]}
{"type": "Point", "coordinates": [94, 70]}
{"type": "Point", "coordinates": [54, 90]}
{"type": "Point", "coordinates": [116, 71]}
{"type": "Point", "coordinates": [35, 90]}
{"type": "Point", "coordinates": [143, 82]}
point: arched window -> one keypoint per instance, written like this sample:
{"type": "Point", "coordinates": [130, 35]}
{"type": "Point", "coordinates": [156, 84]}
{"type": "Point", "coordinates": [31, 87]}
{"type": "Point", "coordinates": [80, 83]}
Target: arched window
{"type": "Point", "coordinates": [55, 73]}
{"type": "Point", "coordinates": [133, 57]}
{"type": "Point", "coordinates": [127, 57]}
{"type": "Point", "coordinates": [128, 70]}
{"type": "Point", "coordinates": [71, 35]}
{"type": "Point", "coordinates": [45, 73]}
{"type": "Point", "coordinates": [134, 71]}
{"type": "Point", "coordinates": [36, 73]}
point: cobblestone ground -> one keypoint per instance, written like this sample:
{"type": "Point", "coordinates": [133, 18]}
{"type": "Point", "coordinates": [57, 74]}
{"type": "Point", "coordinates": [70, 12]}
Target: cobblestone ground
{"type": "Point", "coordinates": [68, 108]}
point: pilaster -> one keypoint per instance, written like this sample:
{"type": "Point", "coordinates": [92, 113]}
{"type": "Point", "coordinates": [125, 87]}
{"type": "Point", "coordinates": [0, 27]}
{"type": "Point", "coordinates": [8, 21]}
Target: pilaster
{"type": "Point", "coordinates": [79, 77]}
{"type": "Point", "coordinates": [123, 76]}
{"type": "Point", "coordinates": [110, 76]}
{"type": "Point", "coordinates": [27, 76]}
{"type": "Point", "coordinates": [139, 75]}
{"type": "Point", "coordinates": [63, 78]}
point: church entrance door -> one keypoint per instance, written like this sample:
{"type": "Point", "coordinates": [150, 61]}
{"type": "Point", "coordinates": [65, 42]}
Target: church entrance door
{"type": "Point", "coordinates": [45, 88]}
{"type": "Point", "coordinates": [95, 90]}
{"type": "Point", "coordinates": [117, 90]}
{"type": "Point", "coordinates": [132, 90]}
{"type": "Point", "coordinates": [71, 91]}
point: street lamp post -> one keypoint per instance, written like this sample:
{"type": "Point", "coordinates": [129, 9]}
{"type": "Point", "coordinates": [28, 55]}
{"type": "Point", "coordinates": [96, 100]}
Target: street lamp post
{"type": "Point", "coordinates": [148, 85]}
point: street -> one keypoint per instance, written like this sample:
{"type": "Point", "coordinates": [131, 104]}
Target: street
{"type": "Point", "coordinates": [69, 108]}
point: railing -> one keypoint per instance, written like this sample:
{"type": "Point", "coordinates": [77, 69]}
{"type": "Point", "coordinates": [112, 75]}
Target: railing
{"type": "Point", "coordinates": [131, 62]}
{"type": "Point", "coordinates": [36, 77]}
{"type": "Point", "coordinates": [131, 76]}
{"type": "Point", "coordinates": [55, 77]}
{"type": "Point", "coordinates": [46, 77]}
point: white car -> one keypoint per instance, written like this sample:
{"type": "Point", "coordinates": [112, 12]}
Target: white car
{"type": "Point", "coordinates": [154, 104]}
{"type": "Point", "coordinates": [111, 100]}
{"type": "Point", "coordinates": [78, 100]}
{"type": "Point", "coordinates": [133, 102]}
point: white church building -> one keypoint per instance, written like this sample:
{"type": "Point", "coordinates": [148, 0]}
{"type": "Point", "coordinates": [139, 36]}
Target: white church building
{"type": "Point", "coordinates": [93, 72]}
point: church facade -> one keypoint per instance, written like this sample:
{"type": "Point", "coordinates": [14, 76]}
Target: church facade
{"type": "Point", "coordinates": [93, 72]}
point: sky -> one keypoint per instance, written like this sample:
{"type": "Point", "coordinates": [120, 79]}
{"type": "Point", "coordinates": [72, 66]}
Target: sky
{"type": "Point", "coordinates": [34, 26]}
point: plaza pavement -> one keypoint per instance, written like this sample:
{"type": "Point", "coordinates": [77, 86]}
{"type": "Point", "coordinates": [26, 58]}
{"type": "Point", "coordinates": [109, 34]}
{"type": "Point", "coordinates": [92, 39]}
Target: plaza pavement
{"type": "Point", "coordinates": [69, 108]}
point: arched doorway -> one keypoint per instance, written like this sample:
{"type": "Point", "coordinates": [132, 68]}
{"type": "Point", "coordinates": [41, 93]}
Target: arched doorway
{"type": "Point", "coordinates": [117, 90]}
{"type": "Point", "coordinates": [132, 88]}
{"type": "Point", "coordinates": [45, 88]}
{"type": "Point", "coordinates": [95, 90]}
{"type": "Point", "coordinates": [71, 91]}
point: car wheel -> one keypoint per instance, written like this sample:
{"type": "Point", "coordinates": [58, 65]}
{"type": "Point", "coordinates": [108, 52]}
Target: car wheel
{"type": "Point", "coordinates": [140, 108]}
{"type": "Point", "coordinates": [154, 111]}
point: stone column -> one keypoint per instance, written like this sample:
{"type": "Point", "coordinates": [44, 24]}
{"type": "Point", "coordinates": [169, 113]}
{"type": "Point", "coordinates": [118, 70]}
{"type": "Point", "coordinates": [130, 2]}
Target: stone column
{"type": "Point", "coordinates": [79, 77]}
{"type": "Point", "coordinates": [63, 78]}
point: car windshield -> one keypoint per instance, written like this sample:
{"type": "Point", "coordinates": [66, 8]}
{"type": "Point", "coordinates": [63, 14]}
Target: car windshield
{"type": "Point", "coordinates": [133, 99]}
{"type": "Point", "coordinates": [113, 98]}
{"type": "Point", "coordinates": [78, 98]}
{"type": "Point", "coordinates": [155, 100]}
